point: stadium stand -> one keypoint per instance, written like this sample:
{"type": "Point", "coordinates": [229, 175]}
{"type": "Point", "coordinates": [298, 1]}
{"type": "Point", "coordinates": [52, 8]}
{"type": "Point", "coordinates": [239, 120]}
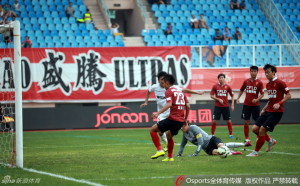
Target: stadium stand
{"type": "Point", "coordinates": [290, 9]}
{"type": "Point", "coordinates": [251, 22]}
{"type": "Point", "coordinates": [45, 20]}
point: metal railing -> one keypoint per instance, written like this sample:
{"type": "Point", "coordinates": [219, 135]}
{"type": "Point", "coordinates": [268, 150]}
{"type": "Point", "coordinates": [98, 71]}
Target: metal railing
{"type": "Point", "coordinates": [142, 10]}
{"type": "Point", "coordinates": [238, 56]}
{"type": "Point", "coordinates": [105, 11]}
{"type": "Point", "coordinates": [281, 27]}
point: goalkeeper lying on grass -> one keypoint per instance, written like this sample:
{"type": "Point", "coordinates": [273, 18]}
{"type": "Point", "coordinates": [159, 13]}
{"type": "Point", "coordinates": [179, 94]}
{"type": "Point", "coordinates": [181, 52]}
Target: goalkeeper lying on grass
{"type": "Point", "coordinates": [202, 140]}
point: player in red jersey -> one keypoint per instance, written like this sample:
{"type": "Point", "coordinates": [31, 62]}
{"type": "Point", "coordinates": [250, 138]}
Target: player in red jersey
{"type": "Point", "coordinates": [219, 93]}
{"type": "Point", "coordinates": [278, 93]}
{"type": "Point", "coordinates": [254, 93]}
{"type": "Point", "coordinates": [179, 111]}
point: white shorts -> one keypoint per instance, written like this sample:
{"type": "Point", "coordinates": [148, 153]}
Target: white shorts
{"type": "Point", "coordinates": [163, 115]}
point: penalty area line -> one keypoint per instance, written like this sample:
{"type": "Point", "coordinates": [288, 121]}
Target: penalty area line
{"type": "Point", "coordinates": [62, 177]}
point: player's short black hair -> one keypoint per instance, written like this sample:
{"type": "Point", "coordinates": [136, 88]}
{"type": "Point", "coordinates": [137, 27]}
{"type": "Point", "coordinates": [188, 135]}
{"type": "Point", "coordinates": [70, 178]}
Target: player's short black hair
{"type": "Point", "coordinates": [221, 75]}
{"type": "Point", "coordinates": [169, 78]}
{"type": "Point", "coordinates": [254, 68]}
{"type": "Point", "coordinates": [161, 74]}
{"type": "Point", "coordinates": [271, 67]}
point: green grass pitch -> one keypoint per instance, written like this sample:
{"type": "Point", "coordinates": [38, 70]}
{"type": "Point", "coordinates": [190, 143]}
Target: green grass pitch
{"type": "Point", "coordinates": [122, 157]}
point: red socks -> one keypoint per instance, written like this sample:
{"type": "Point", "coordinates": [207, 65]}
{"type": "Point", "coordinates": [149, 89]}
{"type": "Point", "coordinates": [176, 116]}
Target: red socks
{"type": "Point", "coordinates": [170, 147]}
{"type": "Point", "coordinates": [267, 137]}
{"type": "Point", "coordinates": [156, 141]}
{"type": "Point", "coordinates": [260, 142]}
{"type": "Point", "coordinates": [246, 131]}
{"type": "Point", "coordinates": [213, 128]}
{"type": "Point", "coordinates": [229, 125]}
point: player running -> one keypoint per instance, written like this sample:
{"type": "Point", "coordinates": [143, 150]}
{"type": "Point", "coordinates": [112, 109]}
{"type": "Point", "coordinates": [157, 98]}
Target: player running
{"type": "Point", "coordinates": [271, 114]}
{"type": "Point", "coordinates": [202, 140]}
{"type": "Point", "coordinates": [179, 111]}
{"type": "Point", "coordinates": [159, 91]}
{"type": "Point", "coordinates": [254, 93]}
{"type": "Point", "coordinates": [219, 93]}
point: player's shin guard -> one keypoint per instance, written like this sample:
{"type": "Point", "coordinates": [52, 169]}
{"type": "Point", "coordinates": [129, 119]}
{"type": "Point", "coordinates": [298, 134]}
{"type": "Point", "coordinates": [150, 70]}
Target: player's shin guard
{"type": "Point", "coordinates": [170, 147]}
{"type": "Point", "coordinates": [155, 140]}
{"type": "Point", "coordinates": [260, 142]}
{"type": "Point", "coordinates": [246, 131]}
{"type": "Point", "coordinates": [213, 128]}
{"type": "Point", "coordinates": [229, 125]}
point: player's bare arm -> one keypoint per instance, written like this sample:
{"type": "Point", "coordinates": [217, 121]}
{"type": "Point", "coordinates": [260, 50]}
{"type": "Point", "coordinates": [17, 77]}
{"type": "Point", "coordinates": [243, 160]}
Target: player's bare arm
{"type": "Point", "coordinates": [232, 103]}
{"type": "Point", "coordinates": [264, 109]}
{"type": "Point", "coordinates": [187, 111]}
{"type": "Point", "coordinates": [259, 98]}
{"type": "Point", "coordinates": [286, 97]}
{"type": "Point", "coordinates": [239, 96]}
{"type": "Point", "coordinates": [192, 91]}
{"type": "Point", "coordinates": [166, 107]}
{"type": "Point", "coordinates": [216, 99]}
{"type": "Point", "coordinates": [146, 100]}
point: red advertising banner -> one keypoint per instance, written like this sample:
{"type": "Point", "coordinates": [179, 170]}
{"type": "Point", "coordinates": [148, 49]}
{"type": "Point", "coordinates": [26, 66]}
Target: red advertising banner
{"type": "Point", "coordinates": [204, 79]}
{"type": "Point", "coordinates": [95, 74]}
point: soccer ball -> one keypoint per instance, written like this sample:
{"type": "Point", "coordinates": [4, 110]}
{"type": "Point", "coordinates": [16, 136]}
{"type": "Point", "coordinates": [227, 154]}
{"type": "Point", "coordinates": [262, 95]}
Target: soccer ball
{"type": "Point", "coordinates": [224, 151]}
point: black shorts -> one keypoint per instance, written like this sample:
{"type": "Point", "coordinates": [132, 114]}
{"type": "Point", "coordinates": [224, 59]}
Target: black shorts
{"type": "Point", "coordinates": [269, 120]}
{"type": "Point", "coordinates": [173, 126]}
{"type": "Point", "coordinates": [218, 111]}
{"type": "Point", "coordinates": [250, 110]}
{"type": "Point", "coordinates": [213, 144]}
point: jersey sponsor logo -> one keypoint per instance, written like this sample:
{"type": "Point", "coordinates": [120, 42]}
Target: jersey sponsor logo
{"type": "Point", "coordinates": [221, 92]}
{"type": "Point", "coordinates": [251, 89]}
{"type": "Point", "coordinates": [287, 89]}
{"type": "Point", "coordinates": [272, 93]}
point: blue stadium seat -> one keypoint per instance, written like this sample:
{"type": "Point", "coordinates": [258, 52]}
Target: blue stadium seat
{"type": "Point", "coordinates": [74, 44]}
{"type": "Point", "coordinates": [54, 33]}
{"type": "Point", "coordinates": [105, 44]}
{"type": "Point", "coordinates": [152, 32]}
{"type": "Point", "coordinates": [154, 7]}
{"type": "Point", "coordinates": [150, 43]}
{"type": "Point", "coordinates": [62, 33]}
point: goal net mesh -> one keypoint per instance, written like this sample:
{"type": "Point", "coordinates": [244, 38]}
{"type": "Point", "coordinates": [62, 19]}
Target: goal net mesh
{"type": "Point", "coordinates": [7, 97]}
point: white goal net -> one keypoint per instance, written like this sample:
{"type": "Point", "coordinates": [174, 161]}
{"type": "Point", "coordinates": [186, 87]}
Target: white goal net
{"type": "Point", "coordinates": [11, 129]}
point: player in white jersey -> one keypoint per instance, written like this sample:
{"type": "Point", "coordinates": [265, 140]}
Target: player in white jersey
{"type": "Point", "coordinates": [161, 101]}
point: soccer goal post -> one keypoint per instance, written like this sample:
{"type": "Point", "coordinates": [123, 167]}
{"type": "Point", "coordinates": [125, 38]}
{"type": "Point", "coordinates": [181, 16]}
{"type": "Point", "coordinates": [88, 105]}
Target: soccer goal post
{"type": "Point", "coordinates": [11, 120]}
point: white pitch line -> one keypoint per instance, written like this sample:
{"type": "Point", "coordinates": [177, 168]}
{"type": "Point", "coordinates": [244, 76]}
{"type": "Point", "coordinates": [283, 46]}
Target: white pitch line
{"type": "Point", "coordinates": [58, 176]}
{"type": "Point", "coordinates": [75, 146]}
{"type": "Point", "coordinates": [167, 177]}
{"type": "Point", "coordinates": [63, 177]}
{"type": "Point", "coordinates": [284, 153]}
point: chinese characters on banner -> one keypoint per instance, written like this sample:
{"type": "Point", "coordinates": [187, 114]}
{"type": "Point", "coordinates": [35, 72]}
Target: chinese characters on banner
{"type": "Point", "coordinates": [118, 74]}
{"type": "Point", "coordinates": [95, 74]}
